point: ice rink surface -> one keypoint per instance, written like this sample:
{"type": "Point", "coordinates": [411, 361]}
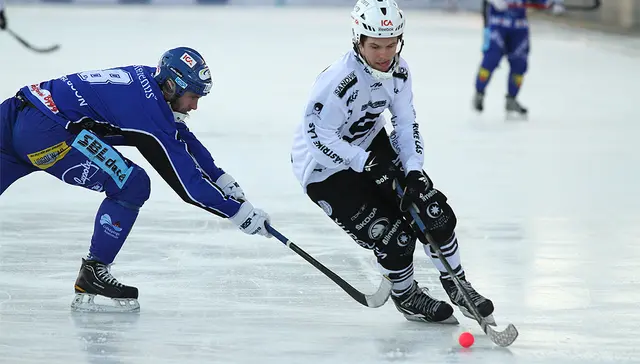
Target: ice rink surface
{"type": "Point", "coordinates": [548, 209]}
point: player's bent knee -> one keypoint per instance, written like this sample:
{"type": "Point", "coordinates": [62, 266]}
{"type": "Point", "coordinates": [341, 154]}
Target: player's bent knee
{"type": "Point", "coordinates": [135, 192]}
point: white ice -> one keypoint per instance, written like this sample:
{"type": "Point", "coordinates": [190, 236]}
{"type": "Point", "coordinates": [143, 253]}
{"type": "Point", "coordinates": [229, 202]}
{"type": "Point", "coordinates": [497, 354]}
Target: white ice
{"type": "Point", "coordinates": [548, 209]}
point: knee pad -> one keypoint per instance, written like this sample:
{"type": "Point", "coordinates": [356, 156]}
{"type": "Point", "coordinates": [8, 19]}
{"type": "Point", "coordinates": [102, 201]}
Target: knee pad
{"type": "Point", "coordinates": [136, 190]}
{"type": "Point", "coordinates": [394, 249]}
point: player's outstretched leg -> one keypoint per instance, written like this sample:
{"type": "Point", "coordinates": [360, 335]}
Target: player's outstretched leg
{"type": "Point", "coordinates": [416, 304]}
{"type": "Point", "coordinates": [95, 279]}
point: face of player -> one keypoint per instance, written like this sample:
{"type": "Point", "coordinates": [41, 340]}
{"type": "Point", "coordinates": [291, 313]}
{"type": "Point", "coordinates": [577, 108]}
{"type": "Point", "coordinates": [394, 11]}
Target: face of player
{"type": "Point", "coordinates": [379, 52]}
{"type": "Point", "coordinates": [185, 103]}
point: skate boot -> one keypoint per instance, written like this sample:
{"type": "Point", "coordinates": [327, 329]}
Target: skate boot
{"type": "Point", "coordinates": [478, 102]}
{"type": "Point", "coordinates": [94, 279]}
{"type": "Point", "coordinates": [513, 108]}
{"type": "Point", "coordinates": [484, 305]}
{"type": "Point", "coordinates": [418, 305]}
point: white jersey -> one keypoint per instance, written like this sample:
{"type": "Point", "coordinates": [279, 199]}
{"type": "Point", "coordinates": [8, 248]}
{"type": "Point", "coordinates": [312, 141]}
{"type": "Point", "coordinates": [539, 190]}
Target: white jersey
{"type": "Point", "coordinates": [343, 115]}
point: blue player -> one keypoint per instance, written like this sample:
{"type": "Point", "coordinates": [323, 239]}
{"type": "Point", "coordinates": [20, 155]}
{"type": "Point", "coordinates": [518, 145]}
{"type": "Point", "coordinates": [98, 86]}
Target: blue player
{"type": "Point", "coordinates": [506, 33]}
{"type": "Point", "coordinates": [68, 127]}
{"type": "Point", "coordinates": [3, 19]}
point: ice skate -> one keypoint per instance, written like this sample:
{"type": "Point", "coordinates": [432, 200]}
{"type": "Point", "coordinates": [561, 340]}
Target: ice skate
{"type": "Point", "coordinates": [478, 102]}
{"type": "Point", "coordinates": [514, 109]}
{"type": "Point", "coordinates": [418, 305]}
{"type": "Point", "coordinates": [94, 279]}
{"type": "Point", "coordinates": [483, 304]}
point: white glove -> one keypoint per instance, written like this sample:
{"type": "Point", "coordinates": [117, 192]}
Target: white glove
{"type": "Point", "coordinates": [557, 9]}
{"type": "Point", "coordinates": [251, 221]}
{"type": "Point", "coordinates": [500, 5]}
{"type": "Point", "coordinates": [230, 187]}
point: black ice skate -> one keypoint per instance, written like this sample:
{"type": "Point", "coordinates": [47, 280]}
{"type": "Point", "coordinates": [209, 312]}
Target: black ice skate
{"type": "Point", "coordinates": [478, 102]}
{"type": "Point", "coordinates": [418, 305]}
{"type": "Point", "coordinates": [514, 109]}
{"type": "Point", "coordinates": [94, 279]}
{"type": "Point", "coordinates": [484, 305]}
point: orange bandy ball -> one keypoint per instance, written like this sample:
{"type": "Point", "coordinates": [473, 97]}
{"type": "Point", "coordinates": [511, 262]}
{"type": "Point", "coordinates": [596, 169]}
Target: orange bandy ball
{"type": "Point", "coordinates": [466, 339]}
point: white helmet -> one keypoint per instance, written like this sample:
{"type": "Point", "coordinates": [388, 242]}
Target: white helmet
{"type": "Point", "coordinates": [377, 19]}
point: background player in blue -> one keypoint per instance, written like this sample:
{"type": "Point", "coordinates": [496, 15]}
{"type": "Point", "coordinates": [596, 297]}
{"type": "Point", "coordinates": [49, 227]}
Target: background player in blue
{"type": "Point", "coordinates": [3, 19]}
{"type": "Point", "coordinates": [506, 32]}
{"type": "Point", "coordinates": [68, 126]}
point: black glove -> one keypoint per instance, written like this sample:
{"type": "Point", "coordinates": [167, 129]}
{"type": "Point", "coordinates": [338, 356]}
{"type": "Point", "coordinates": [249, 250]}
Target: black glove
{"type": "Point", "coordinates": [3, 20]}
{"type": "Point", "coordinates": [382, 171]}
{"type": "Point", "coordinates": [431, 204]}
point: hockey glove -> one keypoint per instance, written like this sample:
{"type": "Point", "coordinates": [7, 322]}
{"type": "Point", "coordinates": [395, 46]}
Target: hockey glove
{"type": "Point", "coordinates": [251, 220]}
{"type": "Point", "coordinates": [431, 204]}
{"type": "Point", "coordinates": [499, 5]}
{"type": "Point", "coordinates": [3, 20]}
{"type": "Point", "coordinates": [382, 171]}
{"type": "Point", "coordinates": [230, 187]}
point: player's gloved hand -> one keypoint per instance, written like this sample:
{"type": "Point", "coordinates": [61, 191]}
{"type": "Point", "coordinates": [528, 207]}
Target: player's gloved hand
{"type": "Point", "coordinates": [382, 170]}
{"type": "Point", "coordinates": [230, 187]}
{"type": "Point", "coordinates": [500, 5]}
{"type": "Point", "coordinates": [432, 206]}
{"type": "Point", "coordinates": [251, 221]}
{"type": "Point", "coordinates": [3, 20]}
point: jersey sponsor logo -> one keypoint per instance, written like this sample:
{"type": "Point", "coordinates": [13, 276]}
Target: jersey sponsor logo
{"type": "Point", "coordinates": [326, 207]}
{"type": "Point", "coordinates": [376, 85]}
{"type": "Point", "coordinates": [367, 245]}
{"type": "Point", "coordinates": [45, 97]}
{"type": "Point", "coordinates": [328, 152]}
{"type": "Point", "coordinates": [353, 97]}
{"type": "Point", "coordinates": [112, 229]}
{"type": "Point", "coordinates": [374, 105]}
{"type": "Point", "coordinates": [367, 219]}
{"type": "Point", "coordinates": [186, 58]}
{"type": "Point", "coordinates": [48, 157]}
{"type": "Point", "coordinates": [80, 174]}
{"type": "Point", "coordinates": [317, 109]}
{"type": "Point", "coordinates": [416, 138]}
{"type": "Point", "coordinates": [346, 84]}
{"type": "Point", "coordinates": [144, 82]}
{"type": "Point", "coordinates": [104, 156]}
{"type": "Point", "coordinates": [391, 232]}
{"type": "Point", "coordinates": [80, 98]}
{"type": "Point", "coordinates": [378, 228]}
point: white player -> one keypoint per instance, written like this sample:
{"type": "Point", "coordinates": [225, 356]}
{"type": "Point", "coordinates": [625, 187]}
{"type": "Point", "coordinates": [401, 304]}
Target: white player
{"type": "Point", "coordinates": [348, 165]}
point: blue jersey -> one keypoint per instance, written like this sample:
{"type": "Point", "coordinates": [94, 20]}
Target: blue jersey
{"type": "Point", "coordinates": [515, 17]}
{"type": "Point", "coordinates": [125, 106]}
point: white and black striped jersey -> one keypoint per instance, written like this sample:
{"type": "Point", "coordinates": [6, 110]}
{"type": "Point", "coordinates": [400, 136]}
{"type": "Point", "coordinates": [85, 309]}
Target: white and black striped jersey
{"type": "Point", "coordinates": [343, 115]}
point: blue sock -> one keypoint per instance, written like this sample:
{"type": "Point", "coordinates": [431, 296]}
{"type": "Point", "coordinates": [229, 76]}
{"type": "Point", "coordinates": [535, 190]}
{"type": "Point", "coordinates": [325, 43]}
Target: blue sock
{"type": "Point", "coordinates": [112, 226]}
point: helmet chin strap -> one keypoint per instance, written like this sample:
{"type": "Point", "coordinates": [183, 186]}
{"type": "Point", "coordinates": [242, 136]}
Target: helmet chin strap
{"type": "Point", "coordinates": [380, 75]}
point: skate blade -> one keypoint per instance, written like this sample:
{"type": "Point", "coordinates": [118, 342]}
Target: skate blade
{"type": "Point", "coordinates": [452, 320]}
{"type": "Point", "coordinates": [488, 319]}
{"type": "Point", "coordinates": [515, 116]}
{"type": "Point", "coordinates": [84, 302]}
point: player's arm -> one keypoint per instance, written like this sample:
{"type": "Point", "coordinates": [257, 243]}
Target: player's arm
{"type": "Point", "coordinates": [406, 137]}
{"type": "Point", "coordinates": [324, 118]}
{"type": "Point", "coordinates": [169, 155]}
{"type": "Point", "coordinates": [199, 152]}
